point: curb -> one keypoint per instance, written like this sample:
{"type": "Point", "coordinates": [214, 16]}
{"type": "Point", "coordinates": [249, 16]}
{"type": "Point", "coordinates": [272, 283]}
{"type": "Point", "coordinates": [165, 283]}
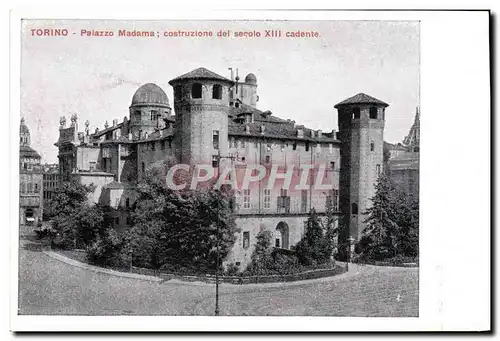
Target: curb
{"type": "Point", "coordinates": [98, 269]}
{"type": "Point", "coordinates": [353, 271]}
{"type": "Point", "coordinates": [94, 268]}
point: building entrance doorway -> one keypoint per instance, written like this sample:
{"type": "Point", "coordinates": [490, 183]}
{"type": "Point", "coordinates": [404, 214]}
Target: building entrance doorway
{"type": "Point", "coordinates": [281, 238]}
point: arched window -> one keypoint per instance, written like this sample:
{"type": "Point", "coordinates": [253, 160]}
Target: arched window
{"type": "Point", "coordinates": [217, 91]}
{"type": "Point", "coordinates": [354, 209]}
{"type": "Point", "coordinates": [178, 92]}
{"type": "Point", "coordinates": [196, 90]}
{"type": "Point", "coordinates": [372, 146]}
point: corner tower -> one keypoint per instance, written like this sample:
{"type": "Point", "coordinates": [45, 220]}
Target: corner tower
{"type": "Point", "coordinates": [361, 126]}
{"type": "Point", "coordinates": [201, 103]}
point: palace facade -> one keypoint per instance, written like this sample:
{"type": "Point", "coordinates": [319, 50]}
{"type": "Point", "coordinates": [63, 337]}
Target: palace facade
{"type": "Point", "coordinates": [217, 123]}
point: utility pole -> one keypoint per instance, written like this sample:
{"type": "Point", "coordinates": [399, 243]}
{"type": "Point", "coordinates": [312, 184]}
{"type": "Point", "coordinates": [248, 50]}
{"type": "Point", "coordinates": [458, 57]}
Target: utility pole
{"type": "Point", "coordinates": [219, 157]}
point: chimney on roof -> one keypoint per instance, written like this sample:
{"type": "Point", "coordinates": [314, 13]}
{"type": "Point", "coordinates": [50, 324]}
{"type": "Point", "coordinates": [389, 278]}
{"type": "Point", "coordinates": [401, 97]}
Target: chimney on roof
{"type": "Point", "coordinates": [320, 133]}
{"type": "Point", "coordinates": [300, 132]}
{"type": "Point", "coordinates": [115, 122]}
{"type": "Point", "coordinates": [312, 133]}
{"type": "Point", "coordinates": [96, 130]}
{"type": "Point", "coordinates": [334, 134]}
{"type": "Point", "coordinates": [106, 125]}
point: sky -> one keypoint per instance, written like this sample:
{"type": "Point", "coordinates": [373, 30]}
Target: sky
{"type": "Point", "coordinates": [298, 78]}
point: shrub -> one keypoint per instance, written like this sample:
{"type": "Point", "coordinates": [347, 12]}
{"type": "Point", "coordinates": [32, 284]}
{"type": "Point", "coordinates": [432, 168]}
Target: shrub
{"type": "Point", "coordinates": [108, 250]}
{"type": "Point", "coordinates": [231, 270]}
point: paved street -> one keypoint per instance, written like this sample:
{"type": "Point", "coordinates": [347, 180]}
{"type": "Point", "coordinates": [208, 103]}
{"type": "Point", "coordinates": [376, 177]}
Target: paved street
{"type": "Point", "coordinates": [50, 287]}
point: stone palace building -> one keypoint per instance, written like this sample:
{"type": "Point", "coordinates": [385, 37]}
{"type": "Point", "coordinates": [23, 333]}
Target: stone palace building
{"type": "Point", "coordinates": [217, 116]}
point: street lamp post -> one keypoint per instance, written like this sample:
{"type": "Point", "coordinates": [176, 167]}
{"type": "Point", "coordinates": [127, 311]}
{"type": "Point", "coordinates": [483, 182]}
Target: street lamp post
{"type": "Point", "coordinates": [219, 157]}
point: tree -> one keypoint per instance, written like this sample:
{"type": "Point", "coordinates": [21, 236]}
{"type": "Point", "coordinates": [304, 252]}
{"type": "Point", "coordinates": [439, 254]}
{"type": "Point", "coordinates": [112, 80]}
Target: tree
{"type": "Point", "coordinates": [407, 219]}
{"type": "Point", "coordinates": [392, 224]}
{"type": "Point", "coordinates": [179, 228]}
{"type": "Point", "coordinates": [313, 248]}
{"type": "Point", "coordinates": [70, 196]}
{"type": "Point", "coordinates": [378, 236]}
{"type": "Point", "coordinates": [75, 221]}
{"type": "Point", "coordinates": [331, 229]}
{"type": "Point", "coordinates": [261, 258]}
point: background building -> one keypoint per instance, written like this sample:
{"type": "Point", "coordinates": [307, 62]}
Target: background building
{"type": "Point", "coordinates": [216, 116]}
{"type": "Point", "coordinates": [404, 163]}
{"type": "Point", "coordinates": [30, 180]}
{"type": "Point", "coordinates": [51, 181]}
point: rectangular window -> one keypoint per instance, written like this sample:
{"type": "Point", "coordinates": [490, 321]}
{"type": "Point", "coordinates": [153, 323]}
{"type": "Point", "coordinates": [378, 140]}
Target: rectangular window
{"type": "Point", "coordinates": [246, 240]}
{"type": "Point", "coordinates": [92, 165]}
{"type": "Point", "coordinates": [267, 198]}
{"type": "Point", "coordinates": [30, 187]}
{"type": "Point", "coordinates": [215, 162]}
{"type": "Point", "coordinates": [162, 145]}
{"type": "Point", "coordinates": [268, 159]}
{"type": "Point", "coordinates": [335, 199]}
{"type": "Point", "coordinates": [215, 139]}
{"type": "Point", "coordinates": [307, 146]}
{"type": "Point", "coordinates": [246, 199]}
{"type": "Point", "coordinates": [332, 165]}
{"type": "Point", "coordinates": [295, 146]}
{"type": "Point", "coordinates": [373, 112]}
{"type": "Point", "coordinates": [378, 170]}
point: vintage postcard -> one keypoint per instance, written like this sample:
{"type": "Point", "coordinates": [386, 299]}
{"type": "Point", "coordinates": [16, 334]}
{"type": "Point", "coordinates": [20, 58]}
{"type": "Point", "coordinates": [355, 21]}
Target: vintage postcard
{"type": "Point", "coordinates": [219, 168]}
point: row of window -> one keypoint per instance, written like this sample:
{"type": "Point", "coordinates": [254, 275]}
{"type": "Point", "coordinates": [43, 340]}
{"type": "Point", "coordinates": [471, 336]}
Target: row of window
{"type": "Point", "coordinates": [242, 144]}
{"type": "Point", "coordinates": [29, 187]}
{"type": "Point", "coordinates": [163, 144]}
{"type": "Point", "coordinates": [373, 114]}
{"type": "Point", "coordinates": [197, 91]}
{"type": "Point", "coordinates": [283, 200]}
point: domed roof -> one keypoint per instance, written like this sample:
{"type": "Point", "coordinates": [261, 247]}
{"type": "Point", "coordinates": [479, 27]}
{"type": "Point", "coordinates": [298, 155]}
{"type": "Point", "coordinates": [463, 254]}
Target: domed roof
{"type": "Point", "coordinates": [150, 94]}
{"type": "Point", "coordinates": [250, 78]}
